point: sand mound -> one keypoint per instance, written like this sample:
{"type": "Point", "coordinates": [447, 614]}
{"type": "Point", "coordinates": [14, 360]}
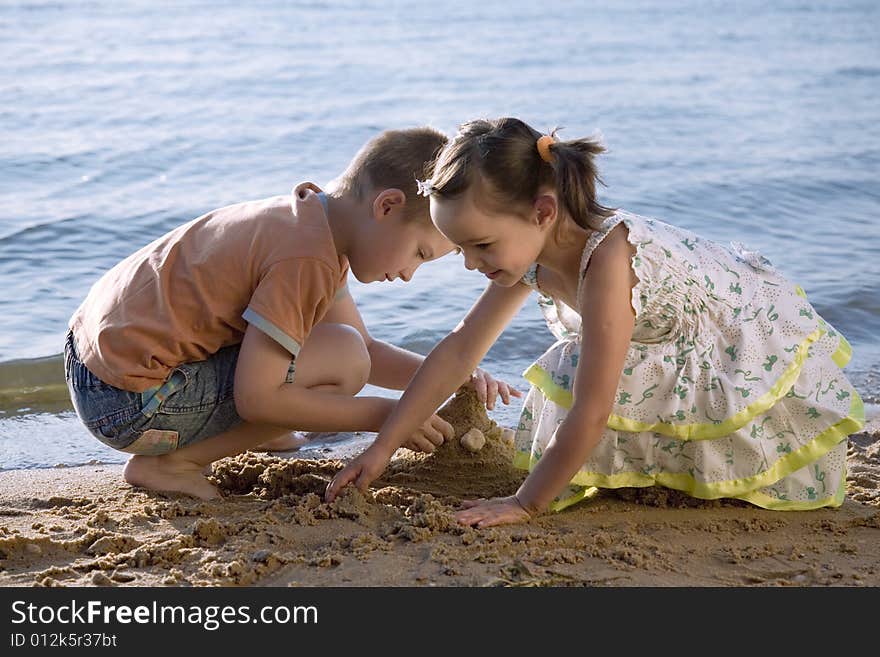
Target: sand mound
{"type": "Point", "coordinates": [453, 470]}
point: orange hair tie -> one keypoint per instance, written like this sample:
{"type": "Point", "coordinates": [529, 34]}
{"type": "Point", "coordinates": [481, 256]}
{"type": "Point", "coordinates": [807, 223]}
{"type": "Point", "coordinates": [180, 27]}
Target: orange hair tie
{"type": "Point", "coordinates": [544, 148]}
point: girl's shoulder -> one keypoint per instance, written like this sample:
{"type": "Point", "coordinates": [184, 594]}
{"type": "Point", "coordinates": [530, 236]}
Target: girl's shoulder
{"type": "Point", "coordinates": [644, 230]}
{"type": "Point", "coordinates": [637, 228]}
{"type": "Point", "coordinates": [652, 240]}
{"type": "Point", "coordinates": [637, 223]}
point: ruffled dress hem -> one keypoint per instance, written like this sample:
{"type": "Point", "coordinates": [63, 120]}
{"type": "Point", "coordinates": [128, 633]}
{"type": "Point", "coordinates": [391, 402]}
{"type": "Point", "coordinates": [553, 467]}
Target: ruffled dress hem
{"type": "Point", "coordinates": [746, 488]}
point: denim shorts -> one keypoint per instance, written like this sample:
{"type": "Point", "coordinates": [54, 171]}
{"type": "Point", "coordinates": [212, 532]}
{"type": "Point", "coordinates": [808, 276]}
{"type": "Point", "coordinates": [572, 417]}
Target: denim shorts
{"type": "Point", "coordinates": [195, 402]}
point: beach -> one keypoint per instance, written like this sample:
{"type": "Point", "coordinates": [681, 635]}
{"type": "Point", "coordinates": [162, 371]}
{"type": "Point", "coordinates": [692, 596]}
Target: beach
{"type": "Point", "coordinates": [747, 122]}
{"type": "Point", "coordinates": [84, 526]}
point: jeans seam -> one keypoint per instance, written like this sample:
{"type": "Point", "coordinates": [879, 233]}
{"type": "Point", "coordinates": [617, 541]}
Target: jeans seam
{"type": "Point", "coordinates": [113, 418]}
{"type": "Point", "coordinates": [186, 410]}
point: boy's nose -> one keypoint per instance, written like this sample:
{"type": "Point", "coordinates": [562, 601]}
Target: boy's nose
{"type": "Point", "coordinates": [407, 274]}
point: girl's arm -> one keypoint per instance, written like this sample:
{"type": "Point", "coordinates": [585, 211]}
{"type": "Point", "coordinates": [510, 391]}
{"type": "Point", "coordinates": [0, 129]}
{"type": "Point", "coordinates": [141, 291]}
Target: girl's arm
{"type": "Point", "coordinates": [607, 326]}
{"type": "Point", "coordinates": [448, 366]}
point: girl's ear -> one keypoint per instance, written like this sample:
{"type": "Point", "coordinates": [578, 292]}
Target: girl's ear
{"type": "Point", "coordinates": [545, 210]}
{"type": "Point", "coordinates": [388, 202]}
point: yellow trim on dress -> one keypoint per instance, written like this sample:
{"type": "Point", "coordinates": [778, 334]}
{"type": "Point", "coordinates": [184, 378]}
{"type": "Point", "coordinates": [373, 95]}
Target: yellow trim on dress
{"type": "Point", "coordinates": [774, 504]}
{"type": "Point", "coordinates": [584, 494]}
{"type": "Point", "coordinates": [843, 354]}
{"type": "Point", "coordinates": [541, 379]}
{"type": "Point", "coordinates": [745, 488]}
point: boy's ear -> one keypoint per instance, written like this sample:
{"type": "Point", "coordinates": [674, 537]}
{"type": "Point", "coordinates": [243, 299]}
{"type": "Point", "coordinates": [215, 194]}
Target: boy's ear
{"type": "Point", "coordinates": [387, 202]}
{"type": "Point", "coordinates": [545, 209]}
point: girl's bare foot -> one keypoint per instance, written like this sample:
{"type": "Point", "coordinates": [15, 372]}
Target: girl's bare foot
{"type": "Point", "coordinates": [286, 443]}
{"type": "Point", "coordinates": [168, 473]}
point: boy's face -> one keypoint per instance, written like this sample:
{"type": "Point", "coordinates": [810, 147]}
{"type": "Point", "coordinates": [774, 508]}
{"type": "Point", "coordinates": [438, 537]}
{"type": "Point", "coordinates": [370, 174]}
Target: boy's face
{"type": "Point", "coordinates": [392, 247]}
{"type": "Point", "coordinates": [501, 246]}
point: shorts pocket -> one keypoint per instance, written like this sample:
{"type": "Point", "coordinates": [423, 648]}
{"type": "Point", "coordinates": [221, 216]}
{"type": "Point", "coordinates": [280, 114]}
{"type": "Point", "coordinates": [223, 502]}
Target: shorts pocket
{"type": "Point", "coordinates": [120, 429]}
{"type": "Point", "coordinates": [153, 442]}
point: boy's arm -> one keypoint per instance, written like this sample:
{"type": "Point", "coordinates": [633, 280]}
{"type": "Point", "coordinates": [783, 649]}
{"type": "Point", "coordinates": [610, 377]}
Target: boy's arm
{"type": "Point", "coordinates": [261, 396]}
{"type": "Point", "coordinates": [392, 367]}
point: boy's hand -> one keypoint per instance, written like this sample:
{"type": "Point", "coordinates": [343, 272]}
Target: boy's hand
{"type": "Point", "coordinates": [361, 471]}
{"type": "Point", "coordinates": [430, 435]}
{"type": "Point", "coordinates": [488, 388]}
{"type": "Point", "coordinates": [488, 513]}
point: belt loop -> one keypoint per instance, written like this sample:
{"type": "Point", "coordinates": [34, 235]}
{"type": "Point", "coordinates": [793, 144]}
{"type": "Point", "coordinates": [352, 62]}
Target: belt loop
{"type": "Point", "coordinates": [160, 393]}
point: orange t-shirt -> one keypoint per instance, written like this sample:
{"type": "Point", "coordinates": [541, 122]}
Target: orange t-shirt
{"type": "Point", "coordinates": [193, 291]}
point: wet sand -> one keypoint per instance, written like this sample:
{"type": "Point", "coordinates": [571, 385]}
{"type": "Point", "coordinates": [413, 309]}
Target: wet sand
{"type": "Point", "coordinates": [85, 527]}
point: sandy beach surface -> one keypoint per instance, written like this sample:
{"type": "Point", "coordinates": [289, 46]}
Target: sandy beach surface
{"type": "Point", "coordinates": [84, 526]}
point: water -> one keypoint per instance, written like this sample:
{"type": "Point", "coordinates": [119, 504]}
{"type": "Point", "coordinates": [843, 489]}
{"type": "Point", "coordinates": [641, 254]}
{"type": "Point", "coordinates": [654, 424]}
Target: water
{"type": "Point", "coordinates": [120, 121]}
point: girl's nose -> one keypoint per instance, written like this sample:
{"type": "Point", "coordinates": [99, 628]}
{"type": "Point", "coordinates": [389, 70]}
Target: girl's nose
{"type": "Point", "coordinates": [470, 262]}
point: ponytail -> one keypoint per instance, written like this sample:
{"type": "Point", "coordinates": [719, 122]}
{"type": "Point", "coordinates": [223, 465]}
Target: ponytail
{"type": "Point", "coordinates": [576, 174]}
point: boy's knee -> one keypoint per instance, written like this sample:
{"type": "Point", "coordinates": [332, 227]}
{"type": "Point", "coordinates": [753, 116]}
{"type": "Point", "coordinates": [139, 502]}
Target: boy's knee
{"type": "Point", "coordinates": [334, 354]}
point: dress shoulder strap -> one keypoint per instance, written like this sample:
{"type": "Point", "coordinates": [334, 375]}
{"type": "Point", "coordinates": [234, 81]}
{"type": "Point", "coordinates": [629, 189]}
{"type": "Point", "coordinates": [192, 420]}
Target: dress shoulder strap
{"type": "Point", "coordinates": [595, 239]}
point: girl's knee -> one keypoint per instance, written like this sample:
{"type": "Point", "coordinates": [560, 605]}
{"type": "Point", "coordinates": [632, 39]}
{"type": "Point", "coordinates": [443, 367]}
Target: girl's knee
{"type": "Point", "coordinates": [333, 354]}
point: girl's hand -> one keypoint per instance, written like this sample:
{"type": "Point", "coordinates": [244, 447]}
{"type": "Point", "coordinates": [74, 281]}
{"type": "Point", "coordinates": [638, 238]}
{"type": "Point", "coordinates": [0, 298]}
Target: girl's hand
{"type": "Point", "coordinates": [488, 388]}
{"type": "Point", "coordinates": [361, 471]}
{"type": "Point", "coordinates": [430, 435]}
{"type": "Point", "coordinates": [488, 513]}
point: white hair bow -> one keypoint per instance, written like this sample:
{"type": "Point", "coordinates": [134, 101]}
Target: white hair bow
{"type": "Point", "coordinates": [425, 187]}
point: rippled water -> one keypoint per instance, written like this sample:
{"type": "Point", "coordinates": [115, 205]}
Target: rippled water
{"type": "Point", "coordinates": [119, 121]}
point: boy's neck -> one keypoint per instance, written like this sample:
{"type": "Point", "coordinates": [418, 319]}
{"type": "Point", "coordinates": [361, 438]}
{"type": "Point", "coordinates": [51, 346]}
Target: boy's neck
{"type": "Point", "coordinates": [342, 213]}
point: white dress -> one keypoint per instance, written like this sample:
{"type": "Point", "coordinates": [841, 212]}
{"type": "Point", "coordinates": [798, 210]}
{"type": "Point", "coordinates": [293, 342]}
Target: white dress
{"type": "Point", "coordinates": [732, 385]}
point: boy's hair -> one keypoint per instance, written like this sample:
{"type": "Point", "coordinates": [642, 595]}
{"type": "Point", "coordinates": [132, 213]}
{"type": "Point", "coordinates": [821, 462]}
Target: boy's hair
{"type": "Point", "coordinates": [394, 159]}
{"type": "Point", "coordinates": [502, 157]}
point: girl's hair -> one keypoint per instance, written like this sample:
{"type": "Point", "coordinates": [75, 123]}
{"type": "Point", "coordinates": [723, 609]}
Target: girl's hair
{"type": "Point", "coordinates": [394, 159]}
{"type": "Point", "coordinates": [502, 157]}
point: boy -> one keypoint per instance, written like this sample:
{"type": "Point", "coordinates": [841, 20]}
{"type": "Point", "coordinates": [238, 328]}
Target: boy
{"type": "Point", "coordinates": [235, 328]}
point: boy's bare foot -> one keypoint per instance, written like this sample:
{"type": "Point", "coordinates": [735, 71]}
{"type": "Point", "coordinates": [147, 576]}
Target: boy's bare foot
{"type": "Point", "coordinates": [169, 474]}
{"type": "Point", "coordinates": [286, 443]}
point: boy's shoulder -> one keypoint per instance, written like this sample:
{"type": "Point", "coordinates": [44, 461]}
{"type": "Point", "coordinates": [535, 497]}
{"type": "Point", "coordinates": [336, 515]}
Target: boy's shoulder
{"type": "Point", "coordinates": [273, 206]}
{"type": "Point", "coordinates": [274, 215]}
{"type": "Point", "coordinates": [284, 229]}
{"type": "Point", "coordinates": [284, 208]}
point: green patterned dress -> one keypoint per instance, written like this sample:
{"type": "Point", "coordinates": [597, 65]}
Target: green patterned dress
{"type": "Point", "coordinates": [732, 385]}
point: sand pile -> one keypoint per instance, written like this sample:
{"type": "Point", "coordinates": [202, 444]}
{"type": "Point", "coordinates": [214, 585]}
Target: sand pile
{"type": "Point", "coordinates": [454, 470]}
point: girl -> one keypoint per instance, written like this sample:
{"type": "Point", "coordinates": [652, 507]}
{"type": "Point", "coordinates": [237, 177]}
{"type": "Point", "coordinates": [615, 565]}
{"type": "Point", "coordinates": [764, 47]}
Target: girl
{"type": "Point", "coordinates": [678, 362]}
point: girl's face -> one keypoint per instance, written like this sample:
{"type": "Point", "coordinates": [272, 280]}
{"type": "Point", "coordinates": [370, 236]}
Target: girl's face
{"type": "Point", "coordinates": [501, 246]}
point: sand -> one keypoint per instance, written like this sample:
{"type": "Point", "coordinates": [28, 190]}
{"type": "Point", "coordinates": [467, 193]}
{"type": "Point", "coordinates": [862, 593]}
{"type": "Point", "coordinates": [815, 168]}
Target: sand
{"type": "Point", "coordinates": [85, 527]}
